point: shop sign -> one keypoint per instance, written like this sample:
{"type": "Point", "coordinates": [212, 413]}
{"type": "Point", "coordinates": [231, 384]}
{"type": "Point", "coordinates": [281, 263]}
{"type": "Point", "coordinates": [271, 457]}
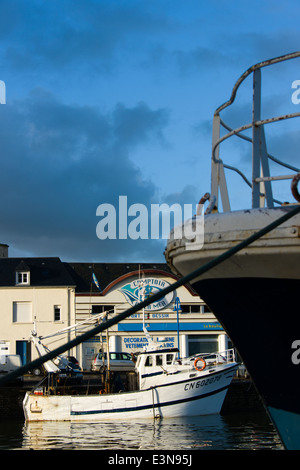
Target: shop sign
{"type": "Point", "coordinates": [139, 290]}
{"type": "Point", "coordinates": [132, 342]}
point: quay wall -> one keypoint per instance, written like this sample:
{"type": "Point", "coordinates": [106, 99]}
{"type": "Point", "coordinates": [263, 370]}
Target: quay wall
{"type": "Point", "coordinates": [242, 396]}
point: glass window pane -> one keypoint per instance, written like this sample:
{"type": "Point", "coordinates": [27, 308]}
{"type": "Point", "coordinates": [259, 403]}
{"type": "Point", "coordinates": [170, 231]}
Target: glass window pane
{"type": "Point", "coordinates": [159, 360]}
{"type": "Point", "coordinates": [149, 361]}
{"type": "Point", "coordinates": [202, 344]}
{"type": "Point", "coordinates": [169, 358]}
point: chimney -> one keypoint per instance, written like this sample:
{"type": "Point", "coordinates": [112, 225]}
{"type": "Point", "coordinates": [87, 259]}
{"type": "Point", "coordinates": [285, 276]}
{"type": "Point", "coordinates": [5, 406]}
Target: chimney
{"type": "Point", "coordinates": [3, 250]}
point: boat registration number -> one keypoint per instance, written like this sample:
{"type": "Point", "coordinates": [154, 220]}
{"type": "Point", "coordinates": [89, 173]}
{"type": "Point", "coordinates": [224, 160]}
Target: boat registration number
{"type": "Point", "coordinates": [201, 383]}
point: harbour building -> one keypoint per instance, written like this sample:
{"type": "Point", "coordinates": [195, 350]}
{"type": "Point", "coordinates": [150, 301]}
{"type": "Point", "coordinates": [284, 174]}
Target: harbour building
{"type": "Point", "coordinates": [181, 318]}
{"type": "Point", "coordinates": [50, 296]}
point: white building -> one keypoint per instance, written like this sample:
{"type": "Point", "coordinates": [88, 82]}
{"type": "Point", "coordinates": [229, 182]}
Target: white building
{"type": "Point", "coordinates": [34, 293]}
{"type": "Point", "coordinates": [49, 295]}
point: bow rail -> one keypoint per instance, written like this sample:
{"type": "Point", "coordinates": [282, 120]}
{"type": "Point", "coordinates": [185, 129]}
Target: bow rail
{"type": "Point", "coordinates": [262, 193]}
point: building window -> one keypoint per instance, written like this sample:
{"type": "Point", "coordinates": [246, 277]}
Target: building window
{"type": "Point", "coordinates": [22, 312]}
{"type": "Point", "coordinates": [206, 309]}
{"type": "Point", "coordinates": [195, 308]}
{"type": "Point", "coordinates": [202, 344]}
{"type": "Point", "coordinates": [22, 278]}
{"type": "Point", "coordinates": [191, 308]}
{"type": "Point", "coordinates": [100, 308]}
{"type": "Point", "coordinates": [57, 313]}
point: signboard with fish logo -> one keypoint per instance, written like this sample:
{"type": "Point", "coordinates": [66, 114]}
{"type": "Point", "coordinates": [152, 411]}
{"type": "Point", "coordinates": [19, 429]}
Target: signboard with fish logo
{"type": "Point", "coordinates": [139, 290]}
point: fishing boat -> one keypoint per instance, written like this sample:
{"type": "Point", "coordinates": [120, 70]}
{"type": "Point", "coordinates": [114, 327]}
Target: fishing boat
{"type": "Point", "coordinates": [166, 387]}
{"type": "Point", "coordinates": [254, 293]}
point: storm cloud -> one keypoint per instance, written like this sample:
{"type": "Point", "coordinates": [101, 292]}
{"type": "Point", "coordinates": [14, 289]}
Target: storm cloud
{"type": "Point", "coordinates": [105, 99]}
{"type": "Point", "coordinates": [59, 162]}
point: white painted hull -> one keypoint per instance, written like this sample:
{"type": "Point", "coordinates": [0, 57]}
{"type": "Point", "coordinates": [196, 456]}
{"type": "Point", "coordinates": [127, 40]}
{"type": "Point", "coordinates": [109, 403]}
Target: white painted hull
{"type": "Point", "coordinates": [275, 255]}
{"type": "Point", "coordinates": [203, 394]}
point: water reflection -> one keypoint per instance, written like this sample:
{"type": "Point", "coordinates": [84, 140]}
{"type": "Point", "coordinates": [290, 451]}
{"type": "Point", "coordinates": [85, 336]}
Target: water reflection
{"type": "Point", "coordinates": [197, 433]}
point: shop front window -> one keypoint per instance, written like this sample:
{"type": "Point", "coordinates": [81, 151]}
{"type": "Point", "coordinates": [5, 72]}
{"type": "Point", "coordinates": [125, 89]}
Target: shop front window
{"type": "Point", "coordinates": [202, 344]}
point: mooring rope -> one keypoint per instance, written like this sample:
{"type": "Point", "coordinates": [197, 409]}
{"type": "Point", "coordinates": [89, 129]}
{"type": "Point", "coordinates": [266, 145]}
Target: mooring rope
{"type": "Point", "coordinates": [183, 280]}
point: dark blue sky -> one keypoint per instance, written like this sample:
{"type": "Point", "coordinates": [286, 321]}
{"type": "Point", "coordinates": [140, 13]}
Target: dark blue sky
{"type": "Point", "coordinates": [111, 98]}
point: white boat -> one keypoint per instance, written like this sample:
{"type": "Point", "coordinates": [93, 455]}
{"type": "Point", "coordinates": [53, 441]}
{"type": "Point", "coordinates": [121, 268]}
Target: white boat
{"type": "Point", "coordinates": [167, 387]}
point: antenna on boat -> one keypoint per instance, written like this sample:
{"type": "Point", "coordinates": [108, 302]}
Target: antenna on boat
{"type": "Point", "coordinates": [142, 289]}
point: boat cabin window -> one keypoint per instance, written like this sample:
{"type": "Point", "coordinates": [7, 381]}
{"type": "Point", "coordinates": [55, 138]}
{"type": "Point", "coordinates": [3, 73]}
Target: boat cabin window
{"type": "Point", "coordinates": [169, 358]}
{"type": "Point", "coordinates": [149, 361]}
{"type": "Point", "coordinates": [159, 360]}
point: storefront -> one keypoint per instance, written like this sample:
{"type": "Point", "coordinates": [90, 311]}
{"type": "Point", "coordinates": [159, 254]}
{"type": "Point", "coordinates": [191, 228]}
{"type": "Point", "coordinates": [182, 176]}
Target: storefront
{"type": "Point", "coordinates": [181, 318]}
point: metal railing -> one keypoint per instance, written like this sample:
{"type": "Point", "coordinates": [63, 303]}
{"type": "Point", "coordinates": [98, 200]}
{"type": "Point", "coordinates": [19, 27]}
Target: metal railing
{"type": "Point", "coordinates": [261, 179]}
{"type": "Point", "coordinates": [219, 357]}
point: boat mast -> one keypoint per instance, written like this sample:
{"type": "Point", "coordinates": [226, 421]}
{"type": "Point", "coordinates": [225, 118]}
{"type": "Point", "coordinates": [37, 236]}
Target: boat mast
{"type": "Point", "coordinates": [142, 298]}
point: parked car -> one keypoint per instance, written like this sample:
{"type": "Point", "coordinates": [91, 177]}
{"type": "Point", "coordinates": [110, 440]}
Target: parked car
{"type": "Point", "coordinates": [70, 372]}
{"type": "Point", "coordinates": [10, 363]}
{"type": "Point", "coordinates": [73, 360]}
{"type": "Point", "coordinates": [69, 369]}
{"type": "Point", "coordinates": [118, 361]}
{"type": "Point", "coordinates": [39, 371]}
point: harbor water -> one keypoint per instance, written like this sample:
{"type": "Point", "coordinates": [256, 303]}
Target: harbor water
{"type": "Point", "coordinates": [249, 431]}
{"type": "Point", "coordinates": [242, 425]}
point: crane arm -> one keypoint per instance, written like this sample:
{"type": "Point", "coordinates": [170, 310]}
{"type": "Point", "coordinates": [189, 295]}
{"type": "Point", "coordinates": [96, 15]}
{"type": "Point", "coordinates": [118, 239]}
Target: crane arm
{"type": "Point", "coordinates": [49, 365]}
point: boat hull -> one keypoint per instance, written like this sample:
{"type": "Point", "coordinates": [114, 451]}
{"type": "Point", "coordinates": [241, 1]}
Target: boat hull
{"type": "Point", "coordinates": [254, 295]}
{"type": "Point", "coordinates": [199, 395]}
{"type": "Point", "coordinates": [255, 313]}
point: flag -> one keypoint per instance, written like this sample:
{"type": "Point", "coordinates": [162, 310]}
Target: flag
{"type": "Point", "coordinates": [96, 281]}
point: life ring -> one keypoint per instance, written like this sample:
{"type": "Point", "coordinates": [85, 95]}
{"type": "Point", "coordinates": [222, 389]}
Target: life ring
{"type": "Point", "coordinates": [203, 363]}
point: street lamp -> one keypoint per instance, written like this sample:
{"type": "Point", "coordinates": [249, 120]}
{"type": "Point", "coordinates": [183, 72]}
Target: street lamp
{"type": "Point", "coordinates": [177, 308]}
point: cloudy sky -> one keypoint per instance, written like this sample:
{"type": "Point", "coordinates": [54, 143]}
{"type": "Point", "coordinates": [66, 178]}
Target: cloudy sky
{"type": "Point", "coordinates": [116, 98]}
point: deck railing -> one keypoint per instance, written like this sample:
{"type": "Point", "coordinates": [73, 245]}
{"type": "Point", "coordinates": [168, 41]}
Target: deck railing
{"type": "Point", "coordinates": [218, 357]}
{"type": "Point", "coordinates": [261, 179]}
